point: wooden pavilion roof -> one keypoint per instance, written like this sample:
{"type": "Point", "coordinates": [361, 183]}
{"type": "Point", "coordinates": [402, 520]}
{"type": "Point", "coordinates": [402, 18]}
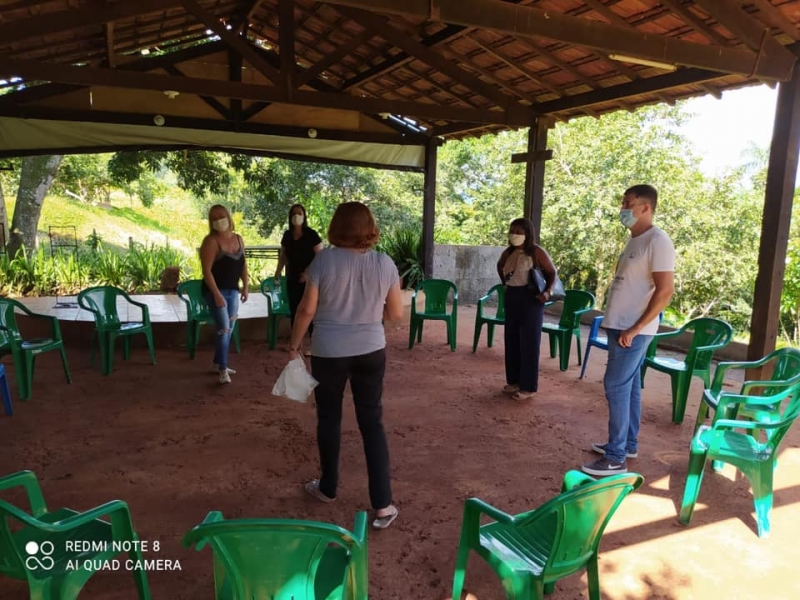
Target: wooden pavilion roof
{"type": "Point", "coordinates": [386, 71]}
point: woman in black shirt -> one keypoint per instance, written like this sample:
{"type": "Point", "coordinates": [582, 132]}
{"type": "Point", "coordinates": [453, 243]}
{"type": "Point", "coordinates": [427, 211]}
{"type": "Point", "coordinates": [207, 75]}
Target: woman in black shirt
{"type": "Point", "coordinates": [299, 245]}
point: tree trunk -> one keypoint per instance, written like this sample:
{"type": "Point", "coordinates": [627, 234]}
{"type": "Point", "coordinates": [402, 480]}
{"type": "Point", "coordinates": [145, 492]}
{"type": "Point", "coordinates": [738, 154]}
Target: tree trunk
{"type": "Point", "coordinates": [35, 178]}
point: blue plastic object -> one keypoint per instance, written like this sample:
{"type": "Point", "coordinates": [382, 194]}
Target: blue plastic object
{"type": "Point", "coordinates": [596, 340]}
{"type": "Point", "coordinates": [5, 391]}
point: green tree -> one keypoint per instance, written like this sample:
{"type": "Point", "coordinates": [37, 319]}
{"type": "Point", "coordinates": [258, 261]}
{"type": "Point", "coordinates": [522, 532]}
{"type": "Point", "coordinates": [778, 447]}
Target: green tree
{"type": "Point", "coordinates": [37, 174]}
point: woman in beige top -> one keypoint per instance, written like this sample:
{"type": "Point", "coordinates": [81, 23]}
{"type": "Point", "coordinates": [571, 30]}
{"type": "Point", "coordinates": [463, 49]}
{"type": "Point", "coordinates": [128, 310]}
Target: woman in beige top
{"type": "Point", "coordinates": [524, 308]}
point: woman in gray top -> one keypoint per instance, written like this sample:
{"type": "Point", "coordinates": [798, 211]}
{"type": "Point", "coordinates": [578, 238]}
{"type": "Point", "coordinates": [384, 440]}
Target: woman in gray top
{"type": "Point", "coordinates": [350, 288]}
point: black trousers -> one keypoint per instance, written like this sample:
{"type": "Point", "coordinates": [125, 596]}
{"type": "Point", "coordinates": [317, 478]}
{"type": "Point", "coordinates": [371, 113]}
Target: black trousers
{"type": "Point", "coordinates": [523, 337]}
{"type": "Point", "coordinates": [295, 290]}
{"type": "Point", "coordinates": [365, 373]}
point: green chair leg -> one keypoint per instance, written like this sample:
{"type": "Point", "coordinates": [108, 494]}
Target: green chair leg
{"type": "Point", "coordinates": [566, 343]}
{"type": "Point", "coordinates": [761, 482]}
{"type": "Point", "coordinates": [64, 364]}
{"type": "Point", "coordinates": [490, 328]}
{"type": "Point", "coordinates": [578, 344]}
{"type": "Point", "coordinates": [148, 333]}
{"type": "Point", "coordinates": [190, 337]}
{"type": "Point", "coordinates": [477, 337]}
{"type": "Point", "coordinates": [460, 571]}
{"type": "Point", "coordinates": [593, 575]}
{"type": "Point", "coordinates": [553, 344]}
{"type": "Point", "coordinates": [694, 478]}
{"type": "Point", "coordinates": [236, 343]}
{"type": "Point", "coordinates": [126, 348]}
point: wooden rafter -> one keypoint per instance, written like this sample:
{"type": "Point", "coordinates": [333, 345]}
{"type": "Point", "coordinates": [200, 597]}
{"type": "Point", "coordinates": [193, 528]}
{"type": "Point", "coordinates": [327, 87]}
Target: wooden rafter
{"type": "Point", "coordinates": [332, 58]}
{"type": "Point", "coordinates": [775, 17]}
{"type": "Point", "coordinates": [514, 115]}
{"type": "Point", "coordinates": [210, 100]}
{"type": "Point", "coordinates": [233, 40]}
{"type": "Point", "coordinates": [111, 56]}
{"type": "Point", "coordinates": [286, 41]}
{"type": "Point", "coordinates": [400, 39]}
{"type": "Point", "coordinates": [689, 17]}
{"type": "Point", "coordinates": [527, 21]}
{"type": "Point", "coordinates": [516, 65]}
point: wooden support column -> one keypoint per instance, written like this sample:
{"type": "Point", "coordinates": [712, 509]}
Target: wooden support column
{"type": "Point", "coordinates": [429, 206]}
{"type": "Point", "coordinates": [781, 174]}
{"type": "Point", "coordinates": [535, 158]}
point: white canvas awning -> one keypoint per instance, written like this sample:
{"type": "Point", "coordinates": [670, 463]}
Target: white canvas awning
{"type": "Point", "coordinates": [20, 136]}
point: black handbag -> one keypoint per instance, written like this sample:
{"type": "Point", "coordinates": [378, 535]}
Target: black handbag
{"type": "Point", "coordinates": [538, 284]}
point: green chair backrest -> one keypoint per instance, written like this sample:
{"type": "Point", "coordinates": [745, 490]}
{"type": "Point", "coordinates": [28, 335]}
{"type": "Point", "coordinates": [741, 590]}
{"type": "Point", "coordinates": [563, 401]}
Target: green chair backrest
{"type": "Point", "coordinates": [500, 290]}
{"type": "Point", "coordinates": [706, 332]}
{"type": "Point", "coordinates": [574, 522]}
{"type": "Point", "coordinates": [9, 331]}
{"type": "Point", "coordinates": [102, 301]}
{"type": "Point", "coordinates": [574, 301]}
{"type": "Point", "coordinates": [787, 363]}
{"type": "Point", "coordinates": [437, 291]}
{"type": "Point", "coordinates": [788, 405]}
{"type": "Point", "coordinates": [277, 297]}
{"type": "Point", "coordinates": [280, 559]}
{"type": "Point", "coordinates": [191, 292]}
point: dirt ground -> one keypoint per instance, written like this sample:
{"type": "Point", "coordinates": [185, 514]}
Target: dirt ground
{"type": "Point", "coordinates": [174, 444]}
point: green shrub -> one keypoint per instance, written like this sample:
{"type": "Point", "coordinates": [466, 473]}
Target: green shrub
{"type": "Point", "coordinates": [404, 246]}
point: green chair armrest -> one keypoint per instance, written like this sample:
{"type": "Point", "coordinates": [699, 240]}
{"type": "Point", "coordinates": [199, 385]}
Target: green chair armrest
{"type": "Point", "coordinates": [574, 478]}
{"type": "Point", "coordinates": [734, 424]}
{"type": "Point", "coordinates": [28, 481]}
{"type": "Point", "coordinates": [776, 384]}
{"type": "Point", "coordinates": [213, 516]}
{"type": "Point", "coordinates": [476, 507]}
{"type": "Point", "coordinates": [665, 334]}
{"type": "Point", "coordinates": [117, 510]}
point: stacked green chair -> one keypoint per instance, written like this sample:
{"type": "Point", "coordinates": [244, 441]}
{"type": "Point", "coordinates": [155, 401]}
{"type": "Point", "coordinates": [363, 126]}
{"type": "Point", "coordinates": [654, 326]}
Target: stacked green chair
{"type": "Point", "coordinates": [750, 446]}
{"type": "Point", "coordinates": [283, 559]}
{"type": "Point", "coordinates": [436, 293]}
{"type": "Point", "coordinates": [708, 335]}
{"type": "Point", "coordinates": [785, 370]}
{"type": "Point", "coordinates": [484, 314]}
{"type": "Point", "coordinates": [198, 314]}
{"type": "Point", "coordinates": [533, 550]}
{"type": "Point", "coordinates": [576, 304]}
{"type": "Point", "coordinates": [33, 545]}
{"type": "Point", "coordinates": [278, 306]}
{"type": "Point", "coordinates": [24, 352]}
{"type": "Point", "coordinates": [108, 326]}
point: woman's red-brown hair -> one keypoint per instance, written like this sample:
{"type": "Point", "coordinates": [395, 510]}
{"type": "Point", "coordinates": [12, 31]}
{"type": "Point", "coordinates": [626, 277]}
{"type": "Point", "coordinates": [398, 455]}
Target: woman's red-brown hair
{"type": "Point", "coordinates": [353, 226]}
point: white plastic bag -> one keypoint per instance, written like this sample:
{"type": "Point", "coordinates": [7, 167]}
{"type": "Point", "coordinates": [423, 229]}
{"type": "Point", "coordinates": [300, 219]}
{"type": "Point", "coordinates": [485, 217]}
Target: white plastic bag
{"type": "Point", "coordinates": [295, 382]}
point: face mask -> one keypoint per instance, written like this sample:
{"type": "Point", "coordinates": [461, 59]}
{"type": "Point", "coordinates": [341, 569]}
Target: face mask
{"type": "Point", "coordinates": [626, 217]}
{"type": "Point", "coordinates": [220, 224]}
{"type": "Point", "coordinates": [516, 239]}
{"type": "Point", "coordinates": [297, 220]}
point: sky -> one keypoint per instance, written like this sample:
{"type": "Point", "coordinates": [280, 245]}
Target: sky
{"type": "Point", "coordinates": [722, 129]}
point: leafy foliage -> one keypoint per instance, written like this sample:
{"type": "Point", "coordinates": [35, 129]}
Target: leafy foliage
{"type": "Point", "coordinates": [404, 246]}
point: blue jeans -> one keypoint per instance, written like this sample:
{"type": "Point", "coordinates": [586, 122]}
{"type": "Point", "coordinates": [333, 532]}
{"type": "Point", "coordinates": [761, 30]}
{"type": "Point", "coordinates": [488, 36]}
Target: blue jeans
{"type": "Point", "coordinates": [623, 387]}
{"type": "Point", "coordinates": [222, 320]}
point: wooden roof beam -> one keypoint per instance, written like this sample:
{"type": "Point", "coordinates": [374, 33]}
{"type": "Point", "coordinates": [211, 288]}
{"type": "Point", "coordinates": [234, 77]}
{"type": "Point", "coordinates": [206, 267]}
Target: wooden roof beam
{"type": "Point", "coordinates": [634, 88]}
{"type": "Point", "coordinates": [210, 100]}
{"type": "Point", "coordinates": [92, 14]}
{"type": "Point", "coordinates": [111, 56]}
{"type": "Point", "coordinates": [332, 58]}
{"type": "Point", "coordinates": [233, 40]}
{"type": "Point", "coordinates": [286, 42]}
{"type": "Point", "coordinates": [776, 18]}
{"type": "Point", "coordinates": [527, 21]}
{"type": "Point", "coordinates": [515, 116]}
{"type": "Point", "coordinates": [753, 34]}
{"type": "Point", "coordinates": [695, 22]}
{"type": "Point", "coordinates": [403, 41]}
{"type": "Point", "coordinates": [515, 64]}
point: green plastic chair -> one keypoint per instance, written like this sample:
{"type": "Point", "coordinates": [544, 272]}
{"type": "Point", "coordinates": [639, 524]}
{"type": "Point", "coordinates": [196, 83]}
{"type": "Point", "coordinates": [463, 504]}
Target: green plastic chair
{"type": "Point", "coordinates": [102, 303]}
{"type": "Point", "coordinates": [198, 314]}
{"type": "Point", "coordinates": [785, 365]}
{"type": "Point", "coordinates": [576, 303]}
{"type": "Point", "coordinates": [33, 546]}
{"type": "Point", "coordinates": [284, 559]}
{"type": "Point", "coordinates": [754, 451]}
{"type": "Point", "coordinates": [484, 316]}
{"type": "Point", "coordinates": [24, 352]}
{"type": "Point", "coordinates": [708, 336]}
{"type": "Point", "coordinates": [436, 293]}
{"type": "Point", "coordinates": [533, 550]}
{"type": "Point", "coordinates": [277, 305]}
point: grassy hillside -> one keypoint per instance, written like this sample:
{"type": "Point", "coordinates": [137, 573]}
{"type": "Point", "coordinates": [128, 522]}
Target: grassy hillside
{"type": "Point", "coordinates": [175, 220]}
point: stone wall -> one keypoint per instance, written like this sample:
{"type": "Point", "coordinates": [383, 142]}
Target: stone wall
{"type": "Point", "coordinates": [472, 268]}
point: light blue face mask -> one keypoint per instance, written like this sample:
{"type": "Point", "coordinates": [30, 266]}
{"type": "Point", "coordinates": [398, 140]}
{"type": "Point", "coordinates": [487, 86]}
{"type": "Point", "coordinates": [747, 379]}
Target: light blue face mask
{"type": "Point", "coordinates": [626, 217]}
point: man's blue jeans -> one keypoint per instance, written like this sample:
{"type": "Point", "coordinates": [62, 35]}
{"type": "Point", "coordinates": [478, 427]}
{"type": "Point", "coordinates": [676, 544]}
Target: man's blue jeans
{"type": "Point", "coordinates": [223, 317]}
{"type": "Point", "coordinates": [623, 387]}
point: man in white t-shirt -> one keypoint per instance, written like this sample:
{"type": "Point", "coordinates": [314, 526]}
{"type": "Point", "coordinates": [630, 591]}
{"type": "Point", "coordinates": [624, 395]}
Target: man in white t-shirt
{"type": "Point", "coordinates": [642, 288]}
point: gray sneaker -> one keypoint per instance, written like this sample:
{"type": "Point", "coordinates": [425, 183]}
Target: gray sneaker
{"type": "Point", "coordinates": [224, 376]}
{"type": "Point", "coordinates": [601, 449]}
{"type": "Point", "coordinates": [603, 467]}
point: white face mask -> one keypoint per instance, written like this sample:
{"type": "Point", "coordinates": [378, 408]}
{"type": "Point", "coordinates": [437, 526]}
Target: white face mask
{"type": "Point", "coordinates": [297, 220]}
{"type": "Point", "coordinates": [516, 239]}
{"type": "Point", "coordinates": [626, 217]}
{"type": "Point", "coordinates": [220, 224]}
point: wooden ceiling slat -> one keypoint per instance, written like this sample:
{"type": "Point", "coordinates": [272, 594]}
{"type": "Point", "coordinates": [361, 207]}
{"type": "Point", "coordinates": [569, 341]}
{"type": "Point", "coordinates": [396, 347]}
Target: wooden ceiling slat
{"type": "Point", "coordinates": [700, 25]}
{"type": "Point", "coordinates": [332, 58]}
{"type": "Point", "coordinates": [775, 17]}
{"type": "Point", "coordinates": [517, 66]}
